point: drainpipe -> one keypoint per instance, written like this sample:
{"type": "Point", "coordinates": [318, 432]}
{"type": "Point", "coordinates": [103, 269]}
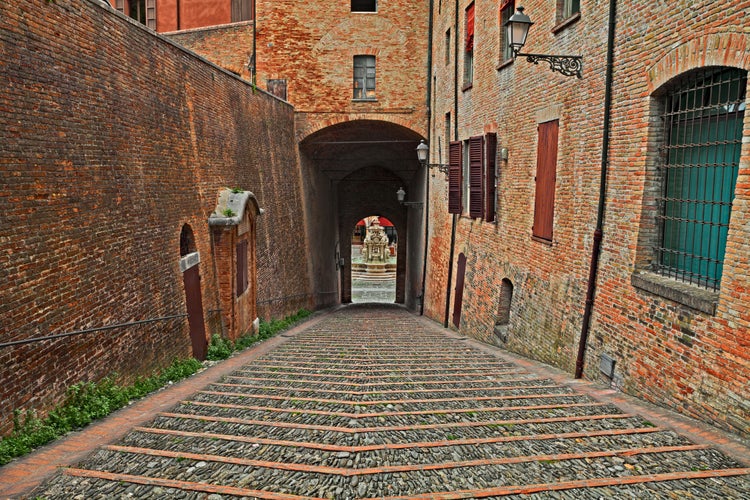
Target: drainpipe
{"type": "Point", "coordinates": [426, 173]}
{"type": "Point", "coordinates": [255, 36]}
{"type": "Point", "coordinates": [598, 232]}
{"type": "Point", "coordinates": [455, 138]}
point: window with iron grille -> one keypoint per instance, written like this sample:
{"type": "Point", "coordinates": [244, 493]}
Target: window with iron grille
{"type": "Point", "coordinates": [703, 115]}
{"type": "Point", "coordinates": [364, 77]}
{"type": "Point", "coordinates": [567, 8]}
{"type": "Point", "coordinates": [506, 10]}
{"type": "Point", "coordinates": [364, 6]}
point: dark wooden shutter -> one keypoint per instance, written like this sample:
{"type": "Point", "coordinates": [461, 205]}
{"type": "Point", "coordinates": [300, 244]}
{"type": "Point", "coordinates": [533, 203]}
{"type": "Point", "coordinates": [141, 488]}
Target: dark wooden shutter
{"type": "Point", "coordinates": [546, 164]}
{"type": "Point", "coordinates": [490, 147]}
{"type": "Point", "coordinates": [458, 299]}
{"type": "Point", "coordinates": [241, 267]}
{"type": "Point", "coordinates": [455, 182]}
{"type": "Point", "coordinates": [476, 177]}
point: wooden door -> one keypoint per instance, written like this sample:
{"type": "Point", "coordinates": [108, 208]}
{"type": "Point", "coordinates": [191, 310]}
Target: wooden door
{"type": "Point", "coordinates": [192, 280]}
{"type": "Point", "coordinates": [459, 295]}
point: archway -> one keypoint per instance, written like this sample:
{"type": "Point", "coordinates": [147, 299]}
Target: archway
{"type": "Point", "coordinates": [374, 260]}
{"type": "Point", "coordinates": [353, 170]}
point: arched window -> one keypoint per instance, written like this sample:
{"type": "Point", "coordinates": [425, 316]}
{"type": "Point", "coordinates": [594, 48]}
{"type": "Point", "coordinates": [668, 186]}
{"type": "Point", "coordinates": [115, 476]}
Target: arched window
{"type": "Point", "coordinates": [702, 114]}
{"type": "Point", "coordinates": [506, 297]}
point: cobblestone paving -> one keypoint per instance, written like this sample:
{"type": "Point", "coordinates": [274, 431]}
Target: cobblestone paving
{"type": "Point", "coordinates": [372, 402]}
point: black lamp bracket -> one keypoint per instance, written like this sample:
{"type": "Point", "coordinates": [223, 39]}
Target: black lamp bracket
{"type": "Point", "coordinates": [567, 65]}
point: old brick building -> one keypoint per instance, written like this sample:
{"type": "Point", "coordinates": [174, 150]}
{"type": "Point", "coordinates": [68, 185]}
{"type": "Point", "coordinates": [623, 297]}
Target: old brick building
{"type": "Point", "coordinates": [122, 157]}
{"type": "Point", "coordinates": [671, 317]}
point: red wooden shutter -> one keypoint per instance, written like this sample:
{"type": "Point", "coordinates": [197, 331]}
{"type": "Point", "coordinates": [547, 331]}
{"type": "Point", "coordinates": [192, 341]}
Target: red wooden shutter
{"type": "Point", "coordinates": [455, 182]}
{"type": "Point", "coordinates": [546, 162]}
{"type": "Point", "coordinates": [476, 177]}
{"type": "Point", "coordinates": [490, 144]}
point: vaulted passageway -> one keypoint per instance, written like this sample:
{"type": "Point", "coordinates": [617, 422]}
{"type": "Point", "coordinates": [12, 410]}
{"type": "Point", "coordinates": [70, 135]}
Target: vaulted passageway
{"type": "Point", "coordinates": [353, 170]}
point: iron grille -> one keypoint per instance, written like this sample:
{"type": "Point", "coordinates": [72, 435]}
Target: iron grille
{"type": "Point", "coordinates": [703, 117]}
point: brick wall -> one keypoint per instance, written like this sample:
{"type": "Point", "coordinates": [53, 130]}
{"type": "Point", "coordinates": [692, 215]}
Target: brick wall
{"type": "Point", "coordinates": [665, 351]}
{"type": "Point", "coordinates": [113, 139]}
{"type": "Point", "coordinates": [541, 273]}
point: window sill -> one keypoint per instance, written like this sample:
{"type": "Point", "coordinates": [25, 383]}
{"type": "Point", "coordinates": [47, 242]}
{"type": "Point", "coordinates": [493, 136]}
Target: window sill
{"type": "Point", "coordinates": [677, 291]}
{"type": "Point", "coordinates": [566, 22]}
{"type": "Point", "coordinates": [504, 64]}
{"type": "Point", "coordinates": [365, 99]}
{"type": "Point", "coordinates": [542, 240]}
{"type": "Point", "coordinates": [467, 86]}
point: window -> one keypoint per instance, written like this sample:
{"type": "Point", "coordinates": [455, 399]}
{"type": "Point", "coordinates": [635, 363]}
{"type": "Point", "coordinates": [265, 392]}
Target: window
{"type": "Point", "coordinates": [448, 47]}
{"type": "Point", "coordinates": [143, 11]}
{"type": "Point", "coordinates": [702, 116]}
{"type": "Point", "coordinates": [567, 9]}
{"type": "Point", "coordinates": [506, 10]}
{"type": "Point", "coordinates": [364, 6]}
{"type": "Point", "coordinates": [546, 165]}
{"type": "Point", "coordinates": [242, 10]}
{"type": "Point", "coordinates": [364, 77]}
{"type": "Point", "coordinates": [241, 267]}
{"type": "Point", "coordinates": [455, 181]}
{"type": "Point", "coordinates": [469, 47]}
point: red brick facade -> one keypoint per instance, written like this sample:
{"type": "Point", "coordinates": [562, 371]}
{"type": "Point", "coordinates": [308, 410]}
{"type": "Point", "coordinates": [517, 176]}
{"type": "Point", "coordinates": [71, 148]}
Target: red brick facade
{"type": "Point", "coordinates": [111, 144]}
{"type": "Point", "coordinates": [664, 350]}
{"type": "Point", "coordinates": [124, 139]}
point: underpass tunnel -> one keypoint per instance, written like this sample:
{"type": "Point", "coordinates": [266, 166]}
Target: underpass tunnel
{"type": "Point", "coordinates": [353, 170]}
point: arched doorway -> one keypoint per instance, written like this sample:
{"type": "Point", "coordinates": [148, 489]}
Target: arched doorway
{"type": "Point", "coordinates": [374, 256]}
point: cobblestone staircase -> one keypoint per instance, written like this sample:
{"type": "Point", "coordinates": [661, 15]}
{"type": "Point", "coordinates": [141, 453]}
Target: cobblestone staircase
{"type": "Point", "coordinates": [375, 403]}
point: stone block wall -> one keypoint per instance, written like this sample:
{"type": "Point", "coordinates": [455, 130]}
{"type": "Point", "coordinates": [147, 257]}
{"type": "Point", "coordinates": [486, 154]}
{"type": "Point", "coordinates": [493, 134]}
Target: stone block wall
{"type": "Point", "coordinates": [113, 139]}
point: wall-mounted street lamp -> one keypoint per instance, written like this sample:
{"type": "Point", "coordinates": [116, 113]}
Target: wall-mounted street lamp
{"type": "Point", "coordinates": [518, 29]}
{"type": "Point", "coordinates": [423, 153]}
{"type": "Point", "coordinates": [401, 194]}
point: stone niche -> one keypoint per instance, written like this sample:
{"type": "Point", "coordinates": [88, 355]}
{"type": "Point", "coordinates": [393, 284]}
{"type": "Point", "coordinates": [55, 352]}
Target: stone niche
{"type": "Point", "coordinates": [232, 227]}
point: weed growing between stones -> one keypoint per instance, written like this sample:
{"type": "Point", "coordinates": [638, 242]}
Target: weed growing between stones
{"type": "Point", "coordinates": [221, 348]}
{"type": "Point", "coordinates": [85, 402]}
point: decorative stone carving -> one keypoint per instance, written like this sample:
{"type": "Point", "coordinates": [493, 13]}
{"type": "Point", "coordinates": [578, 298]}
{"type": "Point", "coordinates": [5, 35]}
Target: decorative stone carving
{"type": "Point", "coordinates": [376, 244]}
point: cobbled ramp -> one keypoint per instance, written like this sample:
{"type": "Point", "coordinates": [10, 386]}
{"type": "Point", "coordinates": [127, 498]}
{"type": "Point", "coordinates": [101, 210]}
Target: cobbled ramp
{"type": "Point", "coordinates": [372, 402]}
